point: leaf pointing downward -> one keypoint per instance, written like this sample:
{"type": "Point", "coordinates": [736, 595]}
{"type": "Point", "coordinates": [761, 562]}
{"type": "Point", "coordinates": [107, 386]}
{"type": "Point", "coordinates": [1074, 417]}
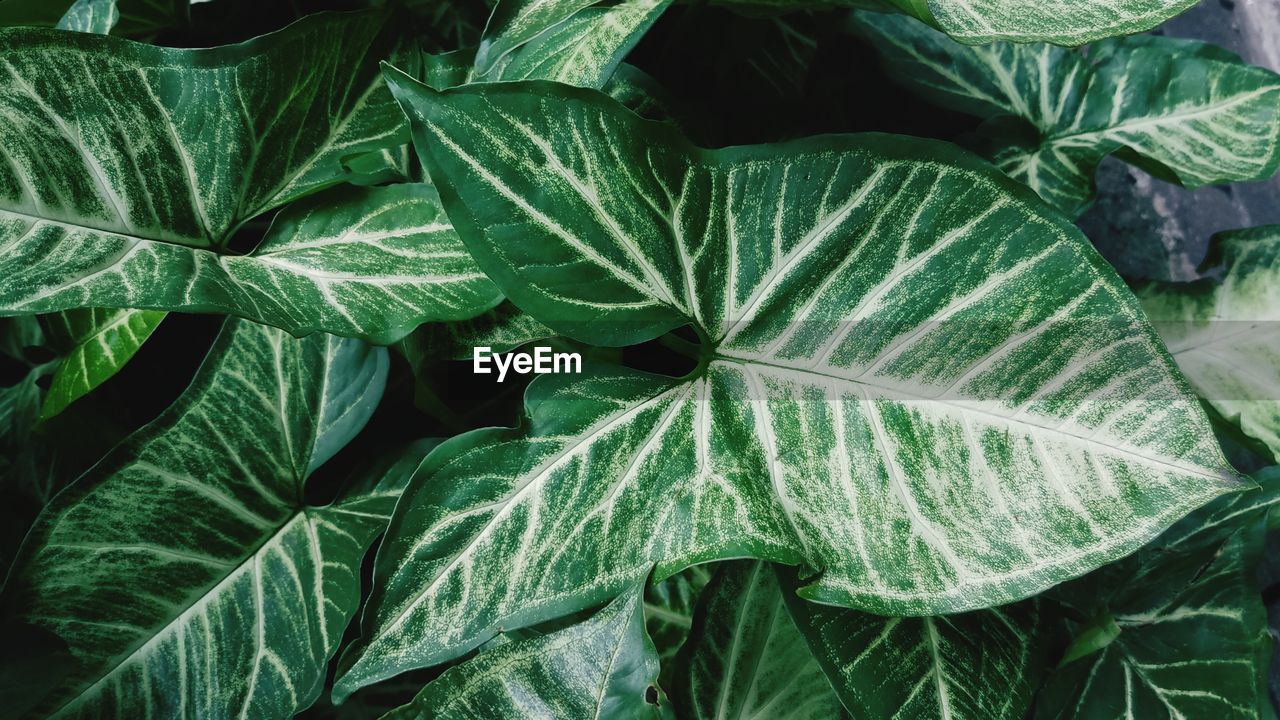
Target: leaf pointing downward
{"type": "Point", "coordinates": [918, 380]}
{"type": "Point", "coordinates": [187, 560]}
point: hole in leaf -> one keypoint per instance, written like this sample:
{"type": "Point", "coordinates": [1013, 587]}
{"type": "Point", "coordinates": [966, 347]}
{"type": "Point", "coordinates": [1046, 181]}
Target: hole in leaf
{"type": "Point", "coordinates": [651, 695]}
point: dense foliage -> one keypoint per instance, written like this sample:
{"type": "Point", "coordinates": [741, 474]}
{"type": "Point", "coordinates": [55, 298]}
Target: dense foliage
{"type": "Point", "coordinates": [864, 424]}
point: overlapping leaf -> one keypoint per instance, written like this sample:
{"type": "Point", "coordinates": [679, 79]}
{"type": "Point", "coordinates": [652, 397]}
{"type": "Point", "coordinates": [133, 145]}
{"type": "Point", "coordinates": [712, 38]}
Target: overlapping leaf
{"type": "Point", "coordinates": [1189, 112]}
{"type": "Point", "coordinates": [1062, 22]}
{"type": "Point", "coordinates": [91, 16]}
{"type": "Point", "coordinates": [602, 667]}
{"type": "Point", "coordinates": [185, 573]}
{"type": "Point", "coordinates": [984, 665]}
{"type": "Point", "coordinates": [1225, 335]}
{"type": "Point", "coordinates": [99, 342]}
{"type": "Point", "coordinates": [746, 659]}
{"type": "Point", "coordinates": [917, 379]}
{"type": "Point", "coordinates": [362, 262]}
{"type": "Point", "coordinates": [1186, 630]}
{"type": "Point", "coordinates": [668, 613]}
{"type": "Point", "coordinates": [575, 42]}
{"type": "Point", "coordinates": [117, 208]}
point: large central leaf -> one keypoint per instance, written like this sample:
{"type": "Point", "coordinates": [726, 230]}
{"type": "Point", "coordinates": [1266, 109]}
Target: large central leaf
{"type": "Point", "coordinates": [187, 559]}
{"type": "Point", "coordinates": [917, 380]}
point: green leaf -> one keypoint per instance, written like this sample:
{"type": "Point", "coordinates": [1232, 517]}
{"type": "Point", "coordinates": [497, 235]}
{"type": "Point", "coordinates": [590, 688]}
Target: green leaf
{"type": "Point", "coordinates": [1189, 112]}
{"type": "Point", "coordinates": [975, 22]}
{"type": "Point", "coordinates": [603, 667]}
{"type": "Point", "coordinates": [503, 328]}
{"type": "Point", "coordinates": [91, 16]}
{"type": "Point", "coordinates": [985, 665]}
{"type": "Point", "coordinates": [580, 48]}
{"type": "Point", "coordinates": [1062, 22]}
{"type": "Point", "coordinates": [1225, 335]}
{"type": "Point", "coordinates": [188, 560]}
{"type": "Point", "coordinates": [224, 134]}
{"type": "Point", "coordinates": [131, 18]}
{"type": "Point", "coordinates": [1192, 640]}
{"type": "Point", "coordinates": [745, 658]}
{"type": "Point", "coordinates": [515, 23]}
{"type": "Point", "coordinates": [668, 614]}
{"type": "Point", "coordinates": [101, 342]}
{"type": "Point", "coordinates": [44, 13]}
{"type": "Point", "coordinates": [358, 262]}
{"type": "Point", "coordinates": [916, 380]}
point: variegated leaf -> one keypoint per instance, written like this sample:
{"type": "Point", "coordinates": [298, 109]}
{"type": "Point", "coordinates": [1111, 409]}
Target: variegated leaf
{"type": "Point", "coordinates": [91, 16]}
{"type": "Point", "coordinates": [974, 22]}
{"type": "Point", "coordinates": [359, 262]}
{"type": "Point", "coordinates": [668, 613]}
{"type": "Point", "coordinates": [583, 49]}
{"type": "Point", "coordinates": [745, 657]}
{"type": "Point", "coordinates": [515, 23]}
{"type": "Point", "coordinates": [130, 208]}
{"type": "Point", "coordinates": [602, 667]}
{"type": "Point", "coordinates": [503, 328]}
{"type": "Point", "coordinates": [916, 379]}
{"type": "Point", "coordinates": [1225, 335]}
{"type": "Point", "coordinates": [185, 573]}
{"type": "Point", "coordinates": [99, 342]}
{"type": "Point", "coordinates": [1185, 110]}
{"type": "Point", "coordinates": [1177, 631]}
{"type": "Point", "coordinates": [983, 665]}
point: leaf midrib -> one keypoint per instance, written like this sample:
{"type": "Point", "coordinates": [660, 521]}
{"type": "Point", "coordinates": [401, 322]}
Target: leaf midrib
{"type": "Point", "coordinates": [746, 361]}
{"type": "Point", "coordinates": [200, 602]}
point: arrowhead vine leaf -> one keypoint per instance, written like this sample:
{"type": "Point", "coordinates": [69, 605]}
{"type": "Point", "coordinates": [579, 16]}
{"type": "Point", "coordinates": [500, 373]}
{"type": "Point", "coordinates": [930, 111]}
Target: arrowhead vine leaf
{"type": "Point", "coordinates": [984, 664]}
{"type": "Point", "coordinates": [833, 425]}
{"type": "Point", "coordinates": [921, 454]}
{"type": "Point", "coordinates": [603, 667]}
{"type": "Point", "coordinates": [1192, 636]}
{"type": "Point", "coordinates": [219, 550]}
{"type": "Point", "coordinates": [976, 22]}
{"type": "Point", "coordinates": [1188, 111]}
{"type": "Point", "coordinates": [82, 225]}
{"type": "Point", "coordinates": [745, 657]}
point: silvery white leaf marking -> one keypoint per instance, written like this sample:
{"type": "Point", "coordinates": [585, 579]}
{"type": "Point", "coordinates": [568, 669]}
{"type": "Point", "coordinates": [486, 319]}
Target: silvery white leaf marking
{"type": "Point", "coordinates": [919, 381]}
{"type": "Point", "coordinates": [184, 572]}
{"type": "Point", "coordinates": [1188, 111]}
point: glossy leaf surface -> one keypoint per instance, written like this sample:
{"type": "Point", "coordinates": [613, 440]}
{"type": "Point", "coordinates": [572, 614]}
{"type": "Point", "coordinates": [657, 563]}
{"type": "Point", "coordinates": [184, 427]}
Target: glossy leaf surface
{"type": "Point", "coordinates": [1192, 636]}
{"type": "Point", "coordinates": [1188, 111]}
{"type": "Point", "coordinates": [130, 208]}
{"type": "Point", "coordinates": [362, 262]}
{"type": "Point", "coordinates": [931, 446]}
{"type": "Point", "coordinates": [100, 342]}
{"type": "Point", "coordinates": [981, 665]}
{"type": "Point", "coordinates": [745, 658]}
{"type": "Point", "coordinates": [187, 558]}
{"type": "Point", "coordinates": [1062, 22]}
{"type": "Point", "coordinates": [602, 667]}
